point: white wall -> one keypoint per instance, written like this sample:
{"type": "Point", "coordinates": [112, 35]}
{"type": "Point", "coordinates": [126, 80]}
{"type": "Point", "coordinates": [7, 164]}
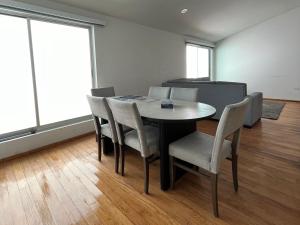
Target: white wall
{"type": "Point", "coordinates": [266, 57]}
{"type": "Point", "coordinates": [130, 57]}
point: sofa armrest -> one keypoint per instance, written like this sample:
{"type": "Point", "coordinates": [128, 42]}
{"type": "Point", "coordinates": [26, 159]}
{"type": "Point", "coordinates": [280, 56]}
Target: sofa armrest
{"type": "Point", "coordinates": [254, 111]}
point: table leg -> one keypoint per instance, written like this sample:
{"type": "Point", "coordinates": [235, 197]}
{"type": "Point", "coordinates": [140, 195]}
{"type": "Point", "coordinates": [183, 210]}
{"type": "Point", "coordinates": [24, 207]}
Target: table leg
{"type": "Point", "coordinates": [107, 146]}
{"type": "Point", "coordinates": [169, 132]}
{"type": "Point", "coordinates": [164, 158]}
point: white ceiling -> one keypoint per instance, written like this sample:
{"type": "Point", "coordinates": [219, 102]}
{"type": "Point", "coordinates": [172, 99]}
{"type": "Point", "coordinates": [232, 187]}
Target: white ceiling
{"type": "Point", "coordinates": [211, 20]}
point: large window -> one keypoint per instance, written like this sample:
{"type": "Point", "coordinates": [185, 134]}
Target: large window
{"type": "Point", "coordinates": [198, 63]}
{"type": "Point", "coordinates": [45, 74]}
{"type": "Point", "coordinates": [62, 69]}
{"type": "Point", "coordinates": [17, 108]}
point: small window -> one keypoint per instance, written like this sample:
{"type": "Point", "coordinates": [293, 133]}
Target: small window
{"type": "Point", "coordinates": [197, 61]}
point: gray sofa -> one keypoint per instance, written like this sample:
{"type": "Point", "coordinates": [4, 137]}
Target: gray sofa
{"type": "Point", "coordinates": [220, 93]}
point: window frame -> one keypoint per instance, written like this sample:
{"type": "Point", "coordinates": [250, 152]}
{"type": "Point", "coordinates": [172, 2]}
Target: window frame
{"type": "Point", "coordinates": [57, 20]}
{"type": "Point", "coordinates": [210, 59]}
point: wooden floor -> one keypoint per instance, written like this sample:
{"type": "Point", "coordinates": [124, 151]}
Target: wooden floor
{"type": "Point", "coordinates": [67, 185]}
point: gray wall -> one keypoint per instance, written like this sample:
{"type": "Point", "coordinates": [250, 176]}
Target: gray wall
{"type": "Point", "coordinates": [266, 57]}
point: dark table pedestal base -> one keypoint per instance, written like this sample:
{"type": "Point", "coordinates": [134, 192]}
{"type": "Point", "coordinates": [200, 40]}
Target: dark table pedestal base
{"type": "Point", "coordinates": [170, 132]}
{"type": "Point", "coordinates": [108, 146]}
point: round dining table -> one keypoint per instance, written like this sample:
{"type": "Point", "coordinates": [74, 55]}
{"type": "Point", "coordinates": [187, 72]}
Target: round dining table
{"type": "Point", "coordinates": [182, 111]}
{"type": "Point", "coordinates": [173, 124]}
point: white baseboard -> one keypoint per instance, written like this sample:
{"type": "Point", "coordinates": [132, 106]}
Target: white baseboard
{"type": "Point", "coordinates": [27, 143]}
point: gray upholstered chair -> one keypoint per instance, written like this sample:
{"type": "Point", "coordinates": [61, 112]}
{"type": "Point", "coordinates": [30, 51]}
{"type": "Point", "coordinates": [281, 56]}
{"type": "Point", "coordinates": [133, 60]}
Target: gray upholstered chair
{"type": "Point", "coordinates": [159, 92]}
{"type": "Point", "coordinates": [142, 138]}
{"type": "Point", "coordinates": [103, 92]}
{"type": "Point", "coordinates": [207, 152]}
{"type": "Point", "coordinates": [184, 94]}
{"type": "Point", "coordinates": [100, 110]}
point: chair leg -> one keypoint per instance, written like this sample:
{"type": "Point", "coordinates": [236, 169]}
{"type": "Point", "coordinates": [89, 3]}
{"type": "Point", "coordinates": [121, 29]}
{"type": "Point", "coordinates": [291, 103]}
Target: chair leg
{"type": "Point", "coordinates": [172, 172]}
{"type": "Point", "coordinates": [235, 172]}
{"type": "Point", "coordinates": [122, 151]}
{"type": "Point", "coordinates": [146, 175]}
{"type": "Point", "coordinates": [116, 152]}
{"type": "Point", "coordinates": [214, 189]}
{"type": "Point", "coordinates": [99, 147]}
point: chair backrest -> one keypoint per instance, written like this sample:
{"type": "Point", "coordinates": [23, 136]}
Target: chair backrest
{"type": "Point", "coordinates": [231, 122]}
{"type": "Point", "coordinates": [184, 94]}
{"type": "Point", "coordinates": [159, 92]}
{"type": "Point", "coordinates": [103, 92]}
{"type": "Point", "coordinates": [100, 109]}
{"type": "Point", "coordinates": [127, 113]}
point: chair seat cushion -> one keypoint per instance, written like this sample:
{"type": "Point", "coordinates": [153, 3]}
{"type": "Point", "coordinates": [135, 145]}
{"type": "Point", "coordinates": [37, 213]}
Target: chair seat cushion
{"type": "Point", "coordinates": [196, 148]}
{"type": "Point", "coordinates": [105, 130]}
{"type": "Point", "coordinates": [131, 139]}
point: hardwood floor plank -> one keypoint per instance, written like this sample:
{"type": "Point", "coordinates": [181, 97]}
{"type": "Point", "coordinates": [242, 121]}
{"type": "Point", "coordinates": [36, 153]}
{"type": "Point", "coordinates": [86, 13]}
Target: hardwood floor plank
{"type": "Point", "coordinates": [76, 192]}
{"type": "Point", "coordinates": [42, 172]}
{"type": "Point", "coordinates": [34, 214]}
{"type": "Point", "coordinates": [6, 202]}
{"type": "Point", "coordinates": [19, 216]}
{"type": "Point", "coordinates": [43, 188]}
{"type": "Point", "coordinates": [105, 208]}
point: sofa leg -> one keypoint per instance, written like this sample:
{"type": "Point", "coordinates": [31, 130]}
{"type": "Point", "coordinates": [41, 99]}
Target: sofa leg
{"type": "Point", "coordinates": [250, 126]}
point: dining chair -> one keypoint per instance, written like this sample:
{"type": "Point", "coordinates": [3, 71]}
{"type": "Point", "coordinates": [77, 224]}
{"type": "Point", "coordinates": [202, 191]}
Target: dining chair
{"type": "Point", "coordinates": [184, 94]}
{"type": "Point", "coordinates": [207, 152]}
{"type": "Point", "coordinates": [159, 92]}
{"type": "Point", "coordinates": [142, 138]}
{"type": "Point", "coordinates": [103, 92]}
{"type": "Point", "coordinates": [100, 110]}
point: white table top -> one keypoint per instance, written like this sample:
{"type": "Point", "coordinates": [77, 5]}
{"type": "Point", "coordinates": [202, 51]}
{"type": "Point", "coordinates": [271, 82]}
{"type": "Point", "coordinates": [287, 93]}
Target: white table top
{"type": "Point", "coordinates": [182, 110]}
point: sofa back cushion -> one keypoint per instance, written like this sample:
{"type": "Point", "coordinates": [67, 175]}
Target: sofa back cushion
{"type": "Point", "coordinates": [215, 93]}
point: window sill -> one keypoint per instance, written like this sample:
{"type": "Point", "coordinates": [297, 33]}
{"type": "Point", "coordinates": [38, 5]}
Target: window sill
{"type": "Point", "coordinates": [29, 142]}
